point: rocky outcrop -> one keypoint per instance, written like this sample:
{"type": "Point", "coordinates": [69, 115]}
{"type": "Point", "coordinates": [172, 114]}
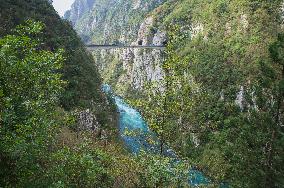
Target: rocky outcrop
{"type": "Point", "coordinates": [87, 121]}
{"type": "Point", "coordinates": [144, 33]}
{"type": "Point", "coordinates": [146, 64]}
{"type": "Point", "coordinates": [123, 22]}
{"type": "Point", "coordinates": [240, 98]}
{"type": "Point", "coordinates": [139, 66]}
{"type": "Point", "coordinates": [196, 29]}
{"type": "Point", "coordinates": [146, 67]}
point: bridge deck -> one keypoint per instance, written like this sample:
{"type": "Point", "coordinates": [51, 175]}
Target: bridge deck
{"type": "Point", "coordinates": [94, 47]}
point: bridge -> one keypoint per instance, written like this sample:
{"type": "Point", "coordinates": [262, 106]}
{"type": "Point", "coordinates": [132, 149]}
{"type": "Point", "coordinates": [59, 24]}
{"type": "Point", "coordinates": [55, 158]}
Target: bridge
{"type": "Point", "coordinates": [95, 47]}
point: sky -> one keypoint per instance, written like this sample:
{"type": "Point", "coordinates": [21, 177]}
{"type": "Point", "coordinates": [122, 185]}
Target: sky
{"type": "Point", "coordinates": [62, 5]}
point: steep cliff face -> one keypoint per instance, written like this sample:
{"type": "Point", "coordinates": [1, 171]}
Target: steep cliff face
{"type": "Point", "coordinates": [108, 21]}
{"type": "Point", "coordinates": [122, 22]}
{"type": "Point", "coordinates": [79, 8]}
{"type": "Point", "coordinates": [130, 69]}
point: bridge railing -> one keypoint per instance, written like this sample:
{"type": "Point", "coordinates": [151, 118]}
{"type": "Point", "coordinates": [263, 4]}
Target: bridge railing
{"type": "Point", "coordinates": [107, 46]}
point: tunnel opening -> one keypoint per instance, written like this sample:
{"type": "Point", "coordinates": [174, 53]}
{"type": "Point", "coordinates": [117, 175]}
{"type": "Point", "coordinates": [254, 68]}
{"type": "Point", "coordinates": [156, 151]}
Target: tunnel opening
{"type": "Point", "coordinates": [165, 43]}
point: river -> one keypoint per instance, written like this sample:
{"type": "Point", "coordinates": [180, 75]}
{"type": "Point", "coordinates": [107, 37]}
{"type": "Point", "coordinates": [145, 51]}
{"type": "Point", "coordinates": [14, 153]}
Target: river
{"type": "Point", "coordinates": [137, 136]}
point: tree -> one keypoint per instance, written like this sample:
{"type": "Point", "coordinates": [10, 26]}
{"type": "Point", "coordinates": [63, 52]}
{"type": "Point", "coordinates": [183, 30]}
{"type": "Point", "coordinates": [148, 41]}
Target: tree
{"type": "Point", "coordinates": [33, 123]}
{"type": "Point", "coordinates": [30, 87]}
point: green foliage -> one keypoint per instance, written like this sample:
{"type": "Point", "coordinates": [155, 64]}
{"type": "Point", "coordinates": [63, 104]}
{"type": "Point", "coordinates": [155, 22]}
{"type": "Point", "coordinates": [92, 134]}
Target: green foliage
{"type": "Point", "coordinates": [30, 87]}
{"type": "Point", "coordinates": [157, 171]}
{"type": "Point", "coordinates": [84, 83]}
{"type": "Point", "coordinates": [218, 51]}
{"type": "Point", "coordinates": [38, 148]}
{"type": "Point", "coordinates": [224, 94]}
{"type": "Point", "coordinates": [84, 167]}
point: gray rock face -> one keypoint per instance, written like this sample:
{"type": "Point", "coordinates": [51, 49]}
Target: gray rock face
{"type": "Point", "coordinates": [139, 66]}
{"type": "Point", "coordinates": [136, 4]}
{"type": "Point", "coordinates": [160, 38]}
{"type": "Point", "coordinates": [87, 121]}
{"type": "Point", "coordinates": [106, 21]}
{"type": "Point", "coordinates": [240, 98]}
{"type": "Point", "coordinates": [122, 22]}
{"type": "Point", "coordinates": [78, 9]}
{"type": "Point", "coordinates": [145, 64]}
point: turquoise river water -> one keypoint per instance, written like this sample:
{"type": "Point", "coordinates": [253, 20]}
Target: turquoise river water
{"type": "Point", "coordinates": [131, 121]}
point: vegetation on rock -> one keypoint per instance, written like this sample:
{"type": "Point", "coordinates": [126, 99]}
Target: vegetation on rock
{"type": "Point", "coordinates": [224, 86]}
{"type": "Point", "coordinates": [221, 101]}
{"type": "Point", "coordinates": [47, 79]}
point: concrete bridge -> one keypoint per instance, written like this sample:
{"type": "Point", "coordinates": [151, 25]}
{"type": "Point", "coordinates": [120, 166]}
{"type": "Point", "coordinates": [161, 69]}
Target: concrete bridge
{"type": "Point", "coordinates": [95, 47]}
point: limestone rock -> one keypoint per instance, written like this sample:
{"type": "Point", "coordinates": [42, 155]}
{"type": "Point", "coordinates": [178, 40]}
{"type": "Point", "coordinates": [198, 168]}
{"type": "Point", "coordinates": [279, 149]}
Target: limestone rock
{"type": "Point", "coordinates": [78, 9]}
{"type": "Point", "coordinates": [87, 121]}
{"type": "Point", "coordinates": [123, 22]}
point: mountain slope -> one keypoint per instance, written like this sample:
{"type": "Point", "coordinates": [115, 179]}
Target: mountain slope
{"type": "Point", "coordinates": [52, 108]}
{"type": "Point", "coordinates": [110, 21]}
{"type": "Point", "coordinates": [224, 77]}
{"type": "Point", "coordinates": [57, 129]}
{"type": "Point", "coordinates": [84, 82]}
{"type": "Point", "coordinates": [123, 22]}
{"type": "Point", "coordinates": [79, 8]}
